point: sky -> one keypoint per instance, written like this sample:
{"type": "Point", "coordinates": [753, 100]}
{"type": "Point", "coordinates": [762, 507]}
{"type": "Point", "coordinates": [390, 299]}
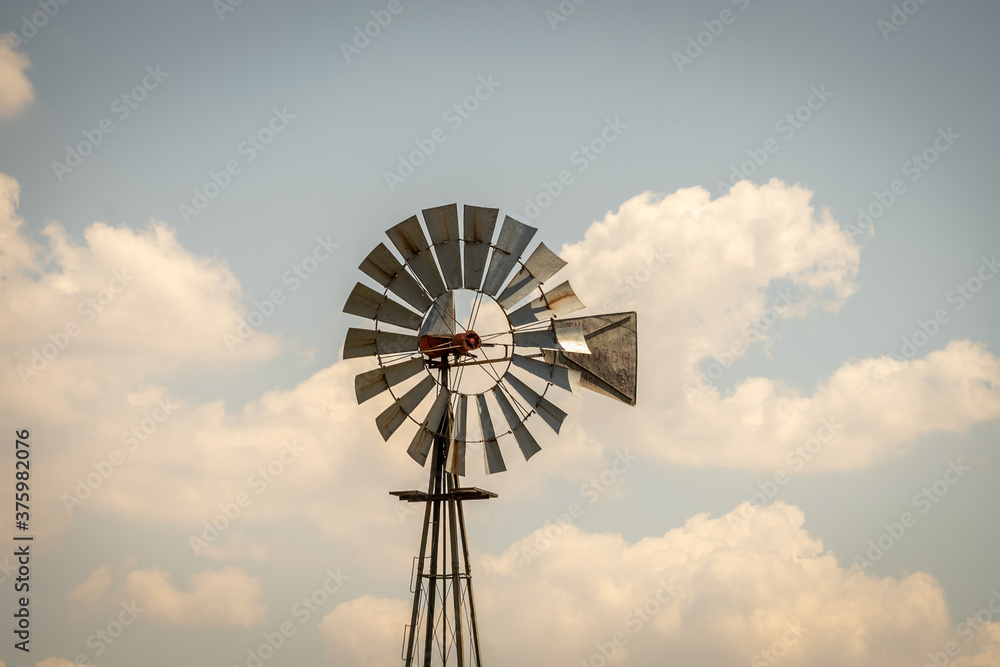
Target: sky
{"type": "Point", "coordinates": [796, 198]}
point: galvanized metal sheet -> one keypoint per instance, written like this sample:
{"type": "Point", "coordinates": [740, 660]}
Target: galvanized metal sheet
{"type": "Point", "coordinates": [612, 365]}
{"type": "Point", "coordinates": [442, 225]}
{"type": "Point", "coordinates": [477, 230]}
{"type": "Point", "coordinates": [524, 438]}
{"type": "Point", "coordinates": [491, 448]}
{"type": "Point", "coordinates": [368, 343]}
{"type": "Point", "coordinates": [394, 416]}
{"type": "Point", "coordinates": [456, 449]}
{"type": "Point", "coordinates": [409, 239]}
{"type": "Point", "coordinates": [564, 378]}
{"type": "Point", "coordinates": [513, 239]}
{"type": "Point", "coordinates": [550, 413]}
{"type": "Point", "coordinates": [366, 302]}
{"type": "Point", "coordinates": [558, 301]}
{"type": "Point", "coordinates": [420, 446]}
{"type": "Point", "coordinates": [571, 336]}
{"type": "Point", "coordinates": [440, 319]}
{"type": "Point", "coordinates": [562, 335]}
{"type": "Point", "coordinates": [541, 265]}
{"type": "Point", "coordinates": [383, 267]}
{"type": "Point", "coordinates": [372, 383]}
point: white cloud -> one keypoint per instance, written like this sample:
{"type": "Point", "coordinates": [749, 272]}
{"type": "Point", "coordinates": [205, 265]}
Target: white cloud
{"type": "Point", "coordinates": [708, 278]}
{"type": "Point", "coordinates": [92, 593]}
{"type": "Point", "coordinates": [711, 592]}
{"type": "Point", "coordinates": [213, 597]}
{"type": "Point", "coordinates": [365, 632]}
{"type": "Point", "coordinates": [15, 88]}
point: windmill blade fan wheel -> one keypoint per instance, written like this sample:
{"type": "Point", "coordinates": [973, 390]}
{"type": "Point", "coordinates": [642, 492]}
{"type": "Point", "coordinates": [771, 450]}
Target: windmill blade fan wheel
{"type": "Point", "coordinates": [414, 329]}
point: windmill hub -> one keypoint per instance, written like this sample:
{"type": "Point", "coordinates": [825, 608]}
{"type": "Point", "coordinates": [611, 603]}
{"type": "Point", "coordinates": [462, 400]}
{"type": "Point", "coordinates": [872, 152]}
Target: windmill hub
{"type": "Point", "coordinates": [435, 347]}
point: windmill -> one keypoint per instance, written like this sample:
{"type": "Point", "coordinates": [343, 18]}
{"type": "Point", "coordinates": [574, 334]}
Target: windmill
{"type": "Point", "coordinates": [490, 358]}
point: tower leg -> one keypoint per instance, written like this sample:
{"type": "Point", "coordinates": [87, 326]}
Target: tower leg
{"type": "Point", "coordinates": [474, 625]}
{"type": "Point", "coordinates": [432, 584]}
{"type": "Point", "coordinates": [456, 582]}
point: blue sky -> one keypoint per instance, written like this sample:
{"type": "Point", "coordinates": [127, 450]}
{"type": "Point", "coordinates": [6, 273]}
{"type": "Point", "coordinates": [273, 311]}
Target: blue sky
{"type": "Point", "coordinates": [843, 111]}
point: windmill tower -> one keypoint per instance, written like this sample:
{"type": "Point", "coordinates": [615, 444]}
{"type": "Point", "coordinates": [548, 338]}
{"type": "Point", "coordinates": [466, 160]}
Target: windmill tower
{"type": "Point", "coordinates": [481, 353]}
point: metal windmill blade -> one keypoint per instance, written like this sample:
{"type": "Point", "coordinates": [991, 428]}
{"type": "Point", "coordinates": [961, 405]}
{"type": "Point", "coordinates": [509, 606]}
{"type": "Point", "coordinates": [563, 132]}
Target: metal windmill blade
{"type": "Point", "coordinates": [427, 356]}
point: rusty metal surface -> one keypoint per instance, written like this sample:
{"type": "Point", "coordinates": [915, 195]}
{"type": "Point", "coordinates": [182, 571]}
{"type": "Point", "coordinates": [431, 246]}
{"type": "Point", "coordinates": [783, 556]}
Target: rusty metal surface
{"type": "Point", "coordinates": [409, 239]}
{"type": "Point", "coordinates": [491, 448]}
{"type": "Point", "coordinates": [456, 448]}
{"type": "Point", "coordinates": [550, 413]}
{"type": "Point", "coordinates": [383, 267]}
{"type": "Point", "coordinates": [477, 230]}
{"type": "Point", "coordinates": [524, 438]}
{"type": "Point", "coordinates": [440, 319]}
{"type": "Point", "coordinates": [540, 266]}
{"type": "Point", "coordinates": [442, 225]}
{"type": "Point", "coordinates": [393, 416]}
{"type": "Point", "coordinates": [372, 383]}
{"type": "Point", "coordinates": [612, 365]}
{"type": "Point", "coordinates": [366, 302]}
{"type": "Point", "coordinates": [513, 239]}
{"type": "Point", "coordinates": [368, 343]}
{"type": "Point", "coordinates": [420, 446]}
{"type": "Point", "coordinates": [558, 301]}
{"type": "Point", "coordinates": [462, 493]}
{"type": "Point", "coordinates": [564, 378]}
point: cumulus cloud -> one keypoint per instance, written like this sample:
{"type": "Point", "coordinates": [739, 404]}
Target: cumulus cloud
{"type": "Point", "coordinates": [714, 591]}
{"type": "Point", "coordinates": [92, 593]}
{"type": "Point", "coordinates": [213, 597]}
{"type": "Point", "coordinates": [708, 279]}
{"type": "Point", "coordinates": [16, 91]}
{"type": "Point", "coordinates": [359, 632]}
